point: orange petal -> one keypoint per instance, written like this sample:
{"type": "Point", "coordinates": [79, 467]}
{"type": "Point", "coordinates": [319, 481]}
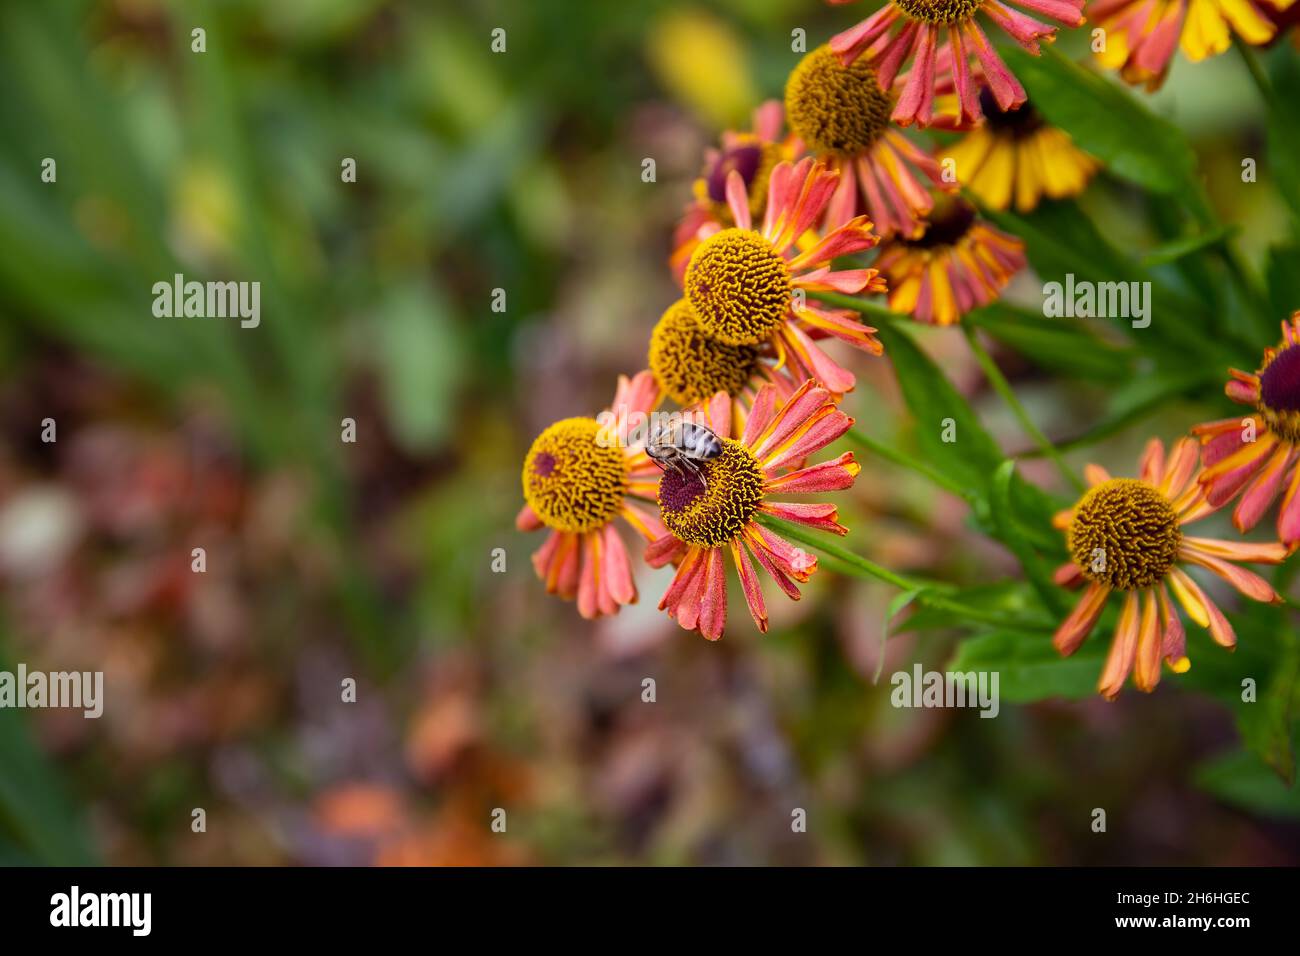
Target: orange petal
{"type": "Point", "coordinates": [1123, 649]}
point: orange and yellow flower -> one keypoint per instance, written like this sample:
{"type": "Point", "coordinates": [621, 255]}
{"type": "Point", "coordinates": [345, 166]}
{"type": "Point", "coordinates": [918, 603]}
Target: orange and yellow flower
{"type": "Point", "coordinates": [1141, 35]}
{"type": "Point", "coordinates": [1017, 156]}
{"type": "Point", "coordinates": [1258, 455]}
{"type": "Point", "coordinates": [841, 114]}
{"type": "Point", "coordinates": [958, 264]}
{"type": "Point", "coordinates": [925, 25]}
{"type": "Point", "coordinates": [707, 517]}
{"type": "Point", "coordinates": [578, 476]}
{"type": "Point", "coordinates": [1126, 535]}
{"type": "Point", "coordinates": [749, 285]}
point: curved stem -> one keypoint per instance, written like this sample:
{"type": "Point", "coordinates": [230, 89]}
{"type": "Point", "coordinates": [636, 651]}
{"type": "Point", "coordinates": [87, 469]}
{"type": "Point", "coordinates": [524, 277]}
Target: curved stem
{"type": "Point", "coordinates": [1003, 388]}
{"type": "Point", "coordinates": [861, 567]}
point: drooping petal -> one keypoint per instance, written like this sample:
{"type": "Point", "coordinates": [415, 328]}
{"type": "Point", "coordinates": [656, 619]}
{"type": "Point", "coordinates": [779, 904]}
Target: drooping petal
{"type": "Point", "coordinates": [1173, 638]}
{"type": "Point", "coordinates": [1247, 582]}
{"type": "Point", "coordinates": [1200, 608]}
{"type": "Point", "coordinates": [1075, 628]}
{"type": "Point", "coordinates": [1123, 649]}
{"type": "Point", "coordinates": [617, 569]}
{"type": "Point", "coordinates": [713, 598]}
{"type": "Point", "coordinates": [1146, 671]}
{"type": "Point", "coordinates": [1262, 490]}
{"type": "Point", "coordinates": [750, 585]}
{"type": "Point", "coordinates": [819, 515]}
{"type": "Point", "coordinates": [527, 519]}
{"type": "Point", "coordinates": [833, 475]}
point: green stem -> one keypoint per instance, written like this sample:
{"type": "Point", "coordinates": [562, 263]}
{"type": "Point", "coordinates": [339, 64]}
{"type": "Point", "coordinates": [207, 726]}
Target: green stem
{"type": "Point", "coordinates": [861, 567]}
{"type": "Point", "coordinates": [1003, 388]}
{"type": "Point", "coordinates": [1256, 71]}
{"type": "Point", "coordinates": [889, 453]}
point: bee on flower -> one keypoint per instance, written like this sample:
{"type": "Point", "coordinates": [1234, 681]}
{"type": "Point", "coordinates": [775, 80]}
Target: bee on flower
{"type": "Point", "coordinates": [715, 510]}
{"type": "Point", "coordinates": [918, 29]}
{"type": "Point", "coordinates": [1126, 535]}
{"type": "Point", "coordinates": [748, 284]}
{"type": "Point", "coordinates": [579, 476]}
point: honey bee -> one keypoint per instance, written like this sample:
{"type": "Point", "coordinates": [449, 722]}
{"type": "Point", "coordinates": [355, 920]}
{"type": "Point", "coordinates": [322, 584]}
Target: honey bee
{"type": "Point", "coordinates": [684, 447]}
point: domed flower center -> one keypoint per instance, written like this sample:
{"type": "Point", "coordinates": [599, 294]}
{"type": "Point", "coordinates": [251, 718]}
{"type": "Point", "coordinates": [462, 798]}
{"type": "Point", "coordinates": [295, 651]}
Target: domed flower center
{"type": "Point", "coordinates": [1020, 123]}
{"type": "Point", "coordinates": [571, 480]}
{"type": "Point", "coordinates": [946, 224]}
{"type": "Point", "coordinates": [939, 11]}
{"type": "Point", "coordinates": [738, 286]}
{"type": "Point", "coordinates": [1279, 393]}
{"type": "Point", "coordinates": [712, 512]}
{"type": "Point", "coordinates": [689, 365]}
{"type": "Point", "coordinates": [834, 108]}
{"type": "Point", "coordinates": [1125, 534]}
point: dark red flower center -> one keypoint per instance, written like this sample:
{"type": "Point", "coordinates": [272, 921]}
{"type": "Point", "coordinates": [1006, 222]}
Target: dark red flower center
{"type": "Point", "coordinates": [948, 222]}
{"type": "Point", "coordinates": [745, 160]}
{"type": "Point", "coordinates": [1279, 384]}
{"type": "Point", "coordinates": [678, 490]}
{"type": "Point", "coordinates": [1019, 123]}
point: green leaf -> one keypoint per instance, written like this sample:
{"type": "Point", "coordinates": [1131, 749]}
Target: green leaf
{"type": "Point", "coordinates": [1063, 345]}
{"type": "Point", "coordinates": [1188, 245]}
{"type": "Point", "coordinates": [1282, 273]}
{"type": "Point", "coordinates": [973, 456]}
{"type": "Point", "coordinates": [1010, 599]}
{"type": "Point", "coordinates": [1240, 779]}
{"type": "Point", "coordinates": [1284, 131]}
{"type": "Point", "coordinates": [896, 607]}
{"type": "Point", "coordinates": [1030, 668]}
{"type": "Point", "coordinates": [1010, 534]}
{"type": "Point", "coordinates": [1107, 121]}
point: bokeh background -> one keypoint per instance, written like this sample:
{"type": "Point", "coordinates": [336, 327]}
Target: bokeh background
{"type": "Point", "coordinates": [478, 171]}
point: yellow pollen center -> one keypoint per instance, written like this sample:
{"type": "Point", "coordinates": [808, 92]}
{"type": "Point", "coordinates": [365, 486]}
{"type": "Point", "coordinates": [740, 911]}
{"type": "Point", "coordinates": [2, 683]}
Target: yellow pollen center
{"type": "Point", "coordinates": [738, 286]}
{"type": "Point", "coordinates": [711, 513]}
{"type": "Point", "coordinates": [834, 108]}
{"type": "Point", "coordinates": [689, 365]}
{"type": "Point", "coordinates": [1125, 534]}
{"type": "Point", "coordinates": [939, 11]}
{"type": "Point", "coordinates": [571, 480]}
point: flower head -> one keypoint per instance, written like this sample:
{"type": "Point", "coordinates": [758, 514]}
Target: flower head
{"type": "Point", "coordinates": [748, 285]}
{"type": "Point", "coordinates": [1018, 155]}
{"type": "Point", "coordinates": [958, 264]}
{"type": "Point", "coordinates": [841, 113]}
{"type": "Point", "coordinates": [924, 25]}
{"type": "Point", "coordinates": [753, 155]}
{"type": "Point", "coordinates": [706, 518]}
{"type": "Point", "coordinates": [691, 368]}
{"type": "Point", "coordinates": [578, 476]}
{"type": "Point", "coordinates": [1141, 34]}
{"type": "Point", "coordinates": [1258, 455]}
{"type": "Point", "coordinates": [1126, 534]}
